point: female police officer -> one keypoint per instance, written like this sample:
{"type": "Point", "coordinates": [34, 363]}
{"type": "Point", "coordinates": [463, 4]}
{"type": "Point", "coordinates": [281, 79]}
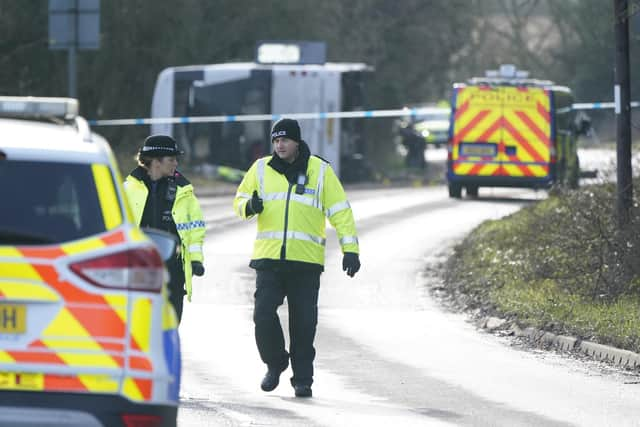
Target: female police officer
{"type": "Point", "coordinates": [162, 198]}
{"type": "Point", "coordinates": [291, 192]}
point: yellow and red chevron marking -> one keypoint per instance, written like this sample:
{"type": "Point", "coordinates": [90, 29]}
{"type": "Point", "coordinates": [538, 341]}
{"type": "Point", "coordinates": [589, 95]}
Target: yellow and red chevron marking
{"type": "Point", "coordinates": [140, 330]}
{"type": "Point", "coordinates": [138, 388]}
{"type": "Point", "coordinates": [88, 331]}
{"type": "Point", "coordinates": [66, 358]}
{"type": "Point", "coordinates": [512, 117]}
{"type": "Point", "coordinates": [90, 321]}
{"type": "Point", "coordinates": [137, 235]}
{"type": "Point", "coordinates": [141, 363]}
{"type": "Point", "coordinates": [80, 383]}
{"type": "Point", "coordinates": [64, 383]}
{"type": "Point", "coordinates": [54, 252]}
{"type": "Point", "coordinates": [107, 196]}
{"type": "Point", "coordinates": [12, 289]}
{"type": "Point", "coordinates": [76, 343]}
{"type": "Point", "coordinates": [94, 323]}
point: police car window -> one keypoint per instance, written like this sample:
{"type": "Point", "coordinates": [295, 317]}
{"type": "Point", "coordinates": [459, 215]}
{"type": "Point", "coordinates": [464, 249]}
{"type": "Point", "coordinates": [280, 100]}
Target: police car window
{"type": "Point", "coordinates": [47, 202]}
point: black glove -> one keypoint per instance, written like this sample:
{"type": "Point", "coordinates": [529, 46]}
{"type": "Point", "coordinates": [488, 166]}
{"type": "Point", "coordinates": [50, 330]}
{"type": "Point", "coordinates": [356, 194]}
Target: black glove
{"type": "Point", "coordinates": [351, 263]}
{"type": "Point", "coordinates": [255, 205]}
{"type": "Point", "coordinates": [197, 268]}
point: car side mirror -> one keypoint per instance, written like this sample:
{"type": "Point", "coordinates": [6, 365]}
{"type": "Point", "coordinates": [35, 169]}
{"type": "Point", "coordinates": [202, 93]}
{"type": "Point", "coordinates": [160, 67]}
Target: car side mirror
{"type": "Point", "coordinates": [166, 243]}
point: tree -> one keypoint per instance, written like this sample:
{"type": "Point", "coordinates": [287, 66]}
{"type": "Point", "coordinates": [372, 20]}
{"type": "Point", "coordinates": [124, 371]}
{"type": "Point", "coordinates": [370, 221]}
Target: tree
{"type": "Point", "coordinates": [417, 48]}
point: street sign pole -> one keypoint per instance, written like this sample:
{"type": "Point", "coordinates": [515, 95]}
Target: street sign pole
{"type": "Point", "coordinates": [622, 97]}
{"type": "Point", "coordinates": [74, 25]}
{"type": "Point", "coordinates": [72, 85]}
{"type": "Point", "coordinates": [71, 70]}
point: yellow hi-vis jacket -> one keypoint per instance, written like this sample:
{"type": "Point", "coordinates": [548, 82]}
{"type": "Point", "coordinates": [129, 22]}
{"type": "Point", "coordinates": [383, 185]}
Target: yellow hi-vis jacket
{"type": "Point", "coordinates": [292, 226]}
{"type": "Point", "coordinates": [187, 216]}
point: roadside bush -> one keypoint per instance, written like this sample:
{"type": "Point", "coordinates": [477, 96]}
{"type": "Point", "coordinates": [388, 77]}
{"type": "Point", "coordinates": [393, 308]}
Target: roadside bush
{"type": "Point", "coordinates": [592, 256]}
{"type": "Point", "coordinates": [561, 264]}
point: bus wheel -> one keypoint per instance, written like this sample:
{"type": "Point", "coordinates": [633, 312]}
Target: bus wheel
{"type": "Point", "coordinates": [455, 191]}
{"type": "Point", "coordinates": [472, 190]}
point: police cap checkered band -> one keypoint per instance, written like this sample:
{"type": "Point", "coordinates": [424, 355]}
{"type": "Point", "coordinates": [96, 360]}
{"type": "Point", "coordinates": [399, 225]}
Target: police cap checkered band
{"type": "Point", "coordinates": [287, 128]}
{"type": "Point", "coordinates": [160, 146]}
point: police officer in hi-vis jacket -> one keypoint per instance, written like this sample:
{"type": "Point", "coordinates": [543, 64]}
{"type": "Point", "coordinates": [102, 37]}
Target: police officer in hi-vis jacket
{"type": "Point", "coordinates": [292, 192]}
{"type": "Point", "coordinates": [162, 198]}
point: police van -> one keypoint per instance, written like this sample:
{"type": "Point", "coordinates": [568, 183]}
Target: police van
{"type": "Point", "coordinates": [87, 335]}
{"type": "Point", "coordinates": [272, 85]}
{"type": "Point", "coordinates": [508, 130]}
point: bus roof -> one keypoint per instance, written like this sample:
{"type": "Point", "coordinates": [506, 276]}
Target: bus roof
{"type": "Point", "coordinates": [329, 66]}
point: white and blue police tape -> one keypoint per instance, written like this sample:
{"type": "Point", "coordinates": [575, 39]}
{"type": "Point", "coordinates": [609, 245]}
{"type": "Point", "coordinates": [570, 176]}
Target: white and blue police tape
{"type": "Point", "coordinates": [599, 105]}
{"type": "Point", "coordinates": [262, 117]}
{"type": "Point", "coordinates": [405, 112]}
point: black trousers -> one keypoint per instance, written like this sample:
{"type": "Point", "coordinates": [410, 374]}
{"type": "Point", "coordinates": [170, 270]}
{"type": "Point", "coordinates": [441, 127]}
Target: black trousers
{"type": "Point", "coordinates": [301, 290]}
{"type": "Point", "coordinates": [176, 285]}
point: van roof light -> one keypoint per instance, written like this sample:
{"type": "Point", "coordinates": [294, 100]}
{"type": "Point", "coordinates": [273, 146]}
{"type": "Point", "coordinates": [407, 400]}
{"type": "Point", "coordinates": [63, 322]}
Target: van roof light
{"type": "Point", "coordinates": [38, 107]}
{"type": "Point", "coordinates": [507, 70]}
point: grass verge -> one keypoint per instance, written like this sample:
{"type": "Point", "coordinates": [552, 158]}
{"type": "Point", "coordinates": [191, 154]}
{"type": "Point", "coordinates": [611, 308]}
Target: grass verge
{"type": "Point", "coordinates": [564, 265]}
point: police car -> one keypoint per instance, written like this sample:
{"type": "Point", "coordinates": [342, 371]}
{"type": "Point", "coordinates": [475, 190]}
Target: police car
{"type": "Point", "coordinates": [87, 336]}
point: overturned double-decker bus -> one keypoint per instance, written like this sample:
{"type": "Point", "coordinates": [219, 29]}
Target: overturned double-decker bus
{"type": "Point", "coordinates": [254, 88]}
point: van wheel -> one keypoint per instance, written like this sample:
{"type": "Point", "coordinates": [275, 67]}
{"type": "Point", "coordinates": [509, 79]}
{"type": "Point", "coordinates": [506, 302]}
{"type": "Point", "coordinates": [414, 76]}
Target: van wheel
{"type": "Point", "coordinates": [455, 191]}
{"type": "Point", "coordinates": [472, 190]}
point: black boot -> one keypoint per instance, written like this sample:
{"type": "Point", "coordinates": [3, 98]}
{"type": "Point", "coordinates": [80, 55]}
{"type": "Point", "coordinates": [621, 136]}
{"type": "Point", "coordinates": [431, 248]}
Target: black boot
{"type": "Point", "coordinates": [302, 390]}
{"type": "Point", "coordinates": [272, 378]}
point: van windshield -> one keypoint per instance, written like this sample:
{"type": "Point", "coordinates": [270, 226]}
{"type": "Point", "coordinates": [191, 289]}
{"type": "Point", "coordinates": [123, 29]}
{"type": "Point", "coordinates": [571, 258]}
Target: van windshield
{"type": "Point", "coordinates": [45, 202]}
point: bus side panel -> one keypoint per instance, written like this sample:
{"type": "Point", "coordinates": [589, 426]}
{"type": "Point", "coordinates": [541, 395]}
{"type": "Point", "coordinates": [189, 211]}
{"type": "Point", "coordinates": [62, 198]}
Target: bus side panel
{"type": "Point", "coordinates": [305, 92]}
{"type": "Point", "coordinates": [330, 129]}
{"type": "Point", "coordinates": [162, 102]}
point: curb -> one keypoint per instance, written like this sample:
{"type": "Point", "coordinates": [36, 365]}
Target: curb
{"type": "Point", "coordinates": [605, 353]}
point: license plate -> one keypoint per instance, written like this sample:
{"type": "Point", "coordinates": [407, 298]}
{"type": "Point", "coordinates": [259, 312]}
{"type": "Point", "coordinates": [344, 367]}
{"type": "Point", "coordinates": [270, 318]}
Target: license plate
{"type": "Point", "coordinates": [13, 319]}
{"type": "Point", "coordinates": [21, 381]}
{"type": "Point", "coordinates": [482, 150]}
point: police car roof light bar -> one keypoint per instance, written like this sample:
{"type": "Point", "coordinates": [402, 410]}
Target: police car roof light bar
{"type": "Point", "coordinates": [499, 81]}
{"type": "Point", "coordinates": [38, 107]}
{"type": "Point", "coordinates": [508, 74]}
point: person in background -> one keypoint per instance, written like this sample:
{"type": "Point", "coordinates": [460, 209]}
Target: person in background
{"type": "Point", "coordinates": [291, 192]}
{"type": "Point", "coordinates": [161, 197]}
